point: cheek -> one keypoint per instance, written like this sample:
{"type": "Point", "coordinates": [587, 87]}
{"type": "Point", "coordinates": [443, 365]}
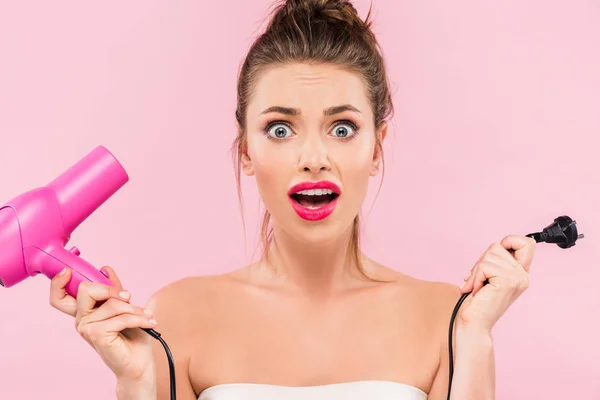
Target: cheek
{"type": "Point", "coordinates": [355, 163]}
{"type": "Point", "coordinates": [354, 166]}
{"type": "Point", "coordinates": [270, 167]}
{"type": "Point", "coordinates": [356, 179]}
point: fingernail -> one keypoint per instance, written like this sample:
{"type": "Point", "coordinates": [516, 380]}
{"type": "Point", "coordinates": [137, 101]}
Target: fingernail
{"type": "Point", "coordinates": [463, 285]}
{"type": "Point", "coordinates": [124, 294]}
{"type": "Point", "coordinates": [152, 322]}
{"type": "Point", "coordinates": [63, 271]}
{"type": "Point", "coordinates": [148, 312]}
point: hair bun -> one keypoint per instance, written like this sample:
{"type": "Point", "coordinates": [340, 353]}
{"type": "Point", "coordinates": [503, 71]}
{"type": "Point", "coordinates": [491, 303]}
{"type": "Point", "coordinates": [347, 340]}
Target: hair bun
{"type": "Point", "coordinates": [328, 10]}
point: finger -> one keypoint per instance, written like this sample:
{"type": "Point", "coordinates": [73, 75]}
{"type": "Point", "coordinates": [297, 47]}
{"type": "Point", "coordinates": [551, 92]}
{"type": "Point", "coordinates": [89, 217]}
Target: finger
{"type": "Point", "coordinates": [500, 275]}
{"type": "Point", "coordinates": [493, 261]}
{"type": "Point", "coordinates": [468, 284]}
{"type": "Point", "coordinates": [58, 283]}
{"type": "Point", "coordinates": [485, 272]}
{"type": "Point", "coordinates": [487, 259]}
{"type": "Point", "coordinates": [113, 307]}
{"type": "Point", "coordinates": [524, 248]}
{"type": "Point", "coordinates": [112, 276]}
{"type": "Point", "coordinates": [501, 256]}
{"type": "Point", "coordinates": [89, 293]}
{"type": "Point", "coordinates": [124, 321]}
{"type": "Point", "coordinates": [59, 298]}
{"type": "Point", "coordinates": [468, 281]}
{"type": "Point", "coordinates": [96, 331]}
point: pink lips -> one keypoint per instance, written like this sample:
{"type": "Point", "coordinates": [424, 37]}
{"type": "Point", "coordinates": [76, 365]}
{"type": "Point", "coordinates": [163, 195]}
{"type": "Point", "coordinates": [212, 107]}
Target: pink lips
{"type": "Point", "coordinates": [314, 214]}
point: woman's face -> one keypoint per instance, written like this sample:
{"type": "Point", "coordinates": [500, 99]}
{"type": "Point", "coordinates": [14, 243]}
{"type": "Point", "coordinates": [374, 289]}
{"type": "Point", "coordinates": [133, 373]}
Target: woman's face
{"type": "Point", "coordinates": [312, 126]}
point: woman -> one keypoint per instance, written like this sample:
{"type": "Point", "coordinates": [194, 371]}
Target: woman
{"type": "Point", "coordinates": [314, 317]}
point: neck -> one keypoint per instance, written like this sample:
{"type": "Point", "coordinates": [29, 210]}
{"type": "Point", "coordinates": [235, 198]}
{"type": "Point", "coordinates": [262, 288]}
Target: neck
{"type": "Point", "coordinates": [318, 269]}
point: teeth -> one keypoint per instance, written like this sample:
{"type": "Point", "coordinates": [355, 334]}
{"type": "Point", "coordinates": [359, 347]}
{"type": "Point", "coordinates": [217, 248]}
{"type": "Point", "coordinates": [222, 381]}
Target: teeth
{"type": "Point", "coordinates": [316, 192]}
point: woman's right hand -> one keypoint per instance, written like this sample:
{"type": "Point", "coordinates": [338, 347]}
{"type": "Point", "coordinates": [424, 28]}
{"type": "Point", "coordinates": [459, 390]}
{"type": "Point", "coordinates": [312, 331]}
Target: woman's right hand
{"type": "Point", "coordinates": [112, 328]}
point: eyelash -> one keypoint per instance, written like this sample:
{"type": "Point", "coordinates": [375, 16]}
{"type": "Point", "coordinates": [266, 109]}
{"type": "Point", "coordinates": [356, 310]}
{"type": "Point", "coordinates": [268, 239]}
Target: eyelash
{"type": "Point", "coordinates": [337, 123]}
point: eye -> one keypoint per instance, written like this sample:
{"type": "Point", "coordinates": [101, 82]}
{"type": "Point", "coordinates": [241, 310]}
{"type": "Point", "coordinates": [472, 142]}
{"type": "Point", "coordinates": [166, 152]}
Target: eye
{"type": "Point", "coordinates": [279, 131]}
{"type": "Point", "coordinates": [344, 130]}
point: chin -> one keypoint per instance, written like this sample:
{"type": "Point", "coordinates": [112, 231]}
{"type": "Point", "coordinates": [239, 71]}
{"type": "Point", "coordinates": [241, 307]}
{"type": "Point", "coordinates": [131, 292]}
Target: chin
{"type": "Point", "coordinates": [319, 232]}
{"type": "Point", "coordinates": [317, 235]}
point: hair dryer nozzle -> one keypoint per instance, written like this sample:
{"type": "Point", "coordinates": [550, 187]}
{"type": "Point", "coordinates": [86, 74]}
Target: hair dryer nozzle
{"type": "Point", "coordinates": [87, 185]}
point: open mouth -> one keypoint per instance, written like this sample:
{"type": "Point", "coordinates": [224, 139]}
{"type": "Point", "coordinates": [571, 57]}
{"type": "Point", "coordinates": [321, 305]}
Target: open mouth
{"type": "Point", "coordinates": [314, 198]}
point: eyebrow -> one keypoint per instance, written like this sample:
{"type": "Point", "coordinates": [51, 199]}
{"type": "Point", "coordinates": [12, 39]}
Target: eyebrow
{"type": "Point", "coordinates": [295, 111]}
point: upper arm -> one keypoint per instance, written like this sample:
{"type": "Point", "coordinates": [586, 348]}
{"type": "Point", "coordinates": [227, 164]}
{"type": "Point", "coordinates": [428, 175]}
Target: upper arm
{"type": "Point", "coordinates": [439, 388]}
{"type": "Point", "coordinates": [448, 297]}
{"type": "Point", "coordinates": [171, 320]}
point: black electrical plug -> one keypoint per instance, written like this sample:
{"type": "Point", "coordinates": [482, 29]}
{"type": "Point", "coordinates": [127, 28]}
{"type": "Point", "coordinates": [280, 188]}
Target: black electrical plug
{"type": "Point", "coordinates": [563, 232]}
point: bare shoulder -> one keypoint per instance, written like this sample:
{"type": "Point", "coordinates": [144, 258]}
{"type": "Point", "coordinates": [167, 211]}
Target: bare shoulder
{"type": "Point", "coordinates": [441, 296]}
{"type": "Point", "coordinates": [181, 309]}
{"type": "Point", "coordinates": [175, 302]}
{"type": "Point", "coordinates": [182, 289]}
{"type": "Point", "coordinates": [438, 297]}
{"type": "Point", "coordinates": [427, 303]}
{"type": "Point", "coordinates": [437, 301]}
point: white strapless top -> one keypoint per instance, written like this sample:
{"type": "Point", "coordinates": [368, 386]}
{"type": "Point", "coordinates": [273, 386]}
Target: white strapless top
{"type": "Point", "coordinates": [358, 390]}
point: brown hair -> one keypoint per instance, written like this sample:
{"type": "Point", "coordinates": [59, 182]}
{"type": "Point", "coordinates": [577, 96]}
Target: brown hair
{"type": "Point", "coordinates": [319, 31]}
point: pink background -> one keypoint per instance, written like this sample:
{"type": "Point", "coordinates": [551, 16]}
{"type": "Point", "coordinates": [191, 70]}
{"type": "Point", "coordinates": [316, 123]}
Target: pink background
{"type": "Point", "coordinates": [496, 132]}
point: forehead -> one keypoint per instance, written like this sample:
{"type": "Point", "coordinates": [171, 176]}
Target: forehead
{"type": "Point", "coordinates": [308, 87]}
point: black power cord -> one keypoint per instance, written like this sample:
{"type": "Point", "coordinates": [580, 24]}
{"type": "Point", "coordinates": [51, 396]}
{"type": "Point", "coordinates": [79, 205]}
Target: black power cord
{"type": "Point", "coordinates": [563, 232]}
{"type": "Point", "coordinates": [157, 336]}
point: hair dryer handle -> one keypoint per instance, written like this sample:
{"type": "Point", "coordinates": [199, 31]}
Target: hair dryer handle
{"type": "Point", "coordinates": [54, 259]}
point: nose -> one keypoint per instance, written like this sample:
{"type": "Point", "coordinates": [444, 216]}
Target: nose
{"type": "Point", "coordinates": [313, 156]}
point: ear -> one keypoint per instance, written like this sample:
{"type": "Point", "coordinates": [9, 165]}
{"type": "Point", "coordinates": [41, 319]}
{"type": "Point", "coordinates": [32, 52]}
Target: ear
{"type": "Point", "coordinates": [378, 153]}
{"type": "Point", "coordinates": [245, 159]}
{"type": "Point", "coordinates": [246, 162]}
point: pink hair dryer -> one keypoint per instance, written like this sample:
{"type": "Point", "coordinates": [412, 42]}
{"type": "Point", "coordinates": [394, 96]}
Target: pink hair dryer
{"type": "Point", "coordinates": [36, 226]}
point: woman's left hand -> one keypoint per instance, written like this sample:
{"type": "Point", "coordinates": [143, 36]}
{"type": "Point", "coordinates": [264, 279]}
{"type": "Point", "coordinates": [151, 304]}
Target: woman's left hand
{"type": "Point", "coordinates": [508, 278]}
